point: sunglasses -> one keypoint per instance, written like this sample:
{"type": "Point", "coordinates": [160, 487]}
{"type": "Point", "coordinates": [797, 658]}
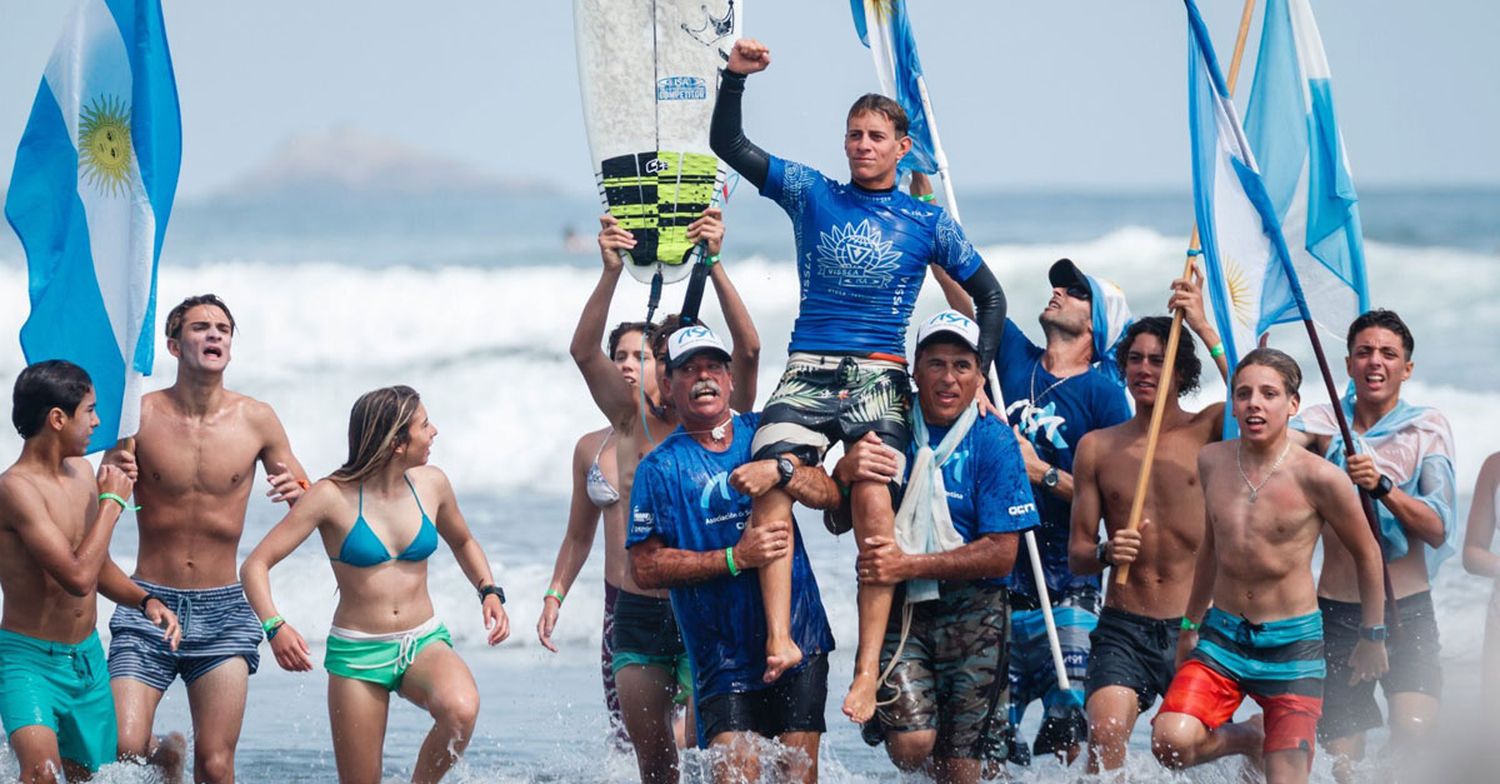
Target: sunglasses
{"type": "Point", "coordinates": [1079, 292]}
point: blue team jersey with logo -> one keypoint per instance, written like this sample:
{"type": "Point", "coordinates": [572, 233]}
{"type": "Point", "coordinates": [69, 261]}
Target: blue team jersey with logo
{"type": "Point", "coordinates": [682, 496]}
{"type": "Point", "coordinates": [861, 258]}
{"type": "Point", "coordinates": [986, 482]}
{"type": "Point", "coordinates": [1053, 415]}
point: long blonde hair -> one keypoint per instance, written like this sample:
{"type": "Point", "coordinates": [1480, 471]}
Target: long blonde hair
{"type": "Point", "coordinates": [378, 424]}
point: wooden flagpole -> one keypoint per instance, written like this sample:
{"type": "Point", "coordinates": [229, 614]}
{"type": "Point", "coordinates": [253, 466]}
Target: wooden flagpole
{"type": "Point", "coordinates": [1174, 335]}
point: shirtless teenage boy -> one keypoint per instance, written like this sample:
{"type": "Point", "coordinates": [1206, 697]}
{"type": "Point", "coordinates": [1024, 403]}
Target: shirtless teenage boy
{"type": "Point", "coordinates": [56, 520]}
{"type": "Point", "coordinates": [1266, 505]}
{"type": "Point", "coordinates": [1133, 650]}
{"type": "Point", "coordinates": [194, 467]}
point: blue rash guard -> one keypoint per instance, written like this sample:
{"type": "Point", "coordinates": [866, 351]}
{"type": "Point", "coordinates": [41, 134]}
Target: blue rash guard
{"type": "Point", "coordinates": [861, 258]}
{"type": "Point", "coordinates": [682, 497]}
{"type": "Point", "coordinates": [1054, 416]}
{"type": "Point", "coordinates": [986, 482]}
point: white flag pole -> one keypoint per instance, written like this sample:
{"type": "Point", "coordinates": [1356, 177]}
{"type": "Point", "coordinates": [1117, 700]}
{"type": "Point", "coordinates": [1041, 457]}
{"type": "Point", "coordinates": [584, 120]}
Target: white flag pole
{"type": "Point", "coordinates": [941, 159]}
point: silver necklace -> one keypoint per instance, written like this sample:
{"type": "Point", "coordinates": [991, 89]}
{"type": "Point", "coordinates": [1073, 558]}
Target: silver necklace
{"type": "Point", "coordinates": [717, 432]}
{"type": "Point", "coordinates": [1255, 488]}
{"type": "Point", "coordinates": [1035, 398]}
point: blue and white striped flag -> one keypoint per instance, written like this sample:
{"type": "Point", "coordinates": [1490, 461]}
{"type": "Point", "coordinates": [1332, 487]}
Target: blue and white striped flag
{"type": "Point", "coordinates": [1292, 128]}
{"type": "Point", "coordinates": [89, 197]}
{"type": "Point", "coordinates": [884, 27]}
{"type": "Point", "coordinates": [1250, 275]}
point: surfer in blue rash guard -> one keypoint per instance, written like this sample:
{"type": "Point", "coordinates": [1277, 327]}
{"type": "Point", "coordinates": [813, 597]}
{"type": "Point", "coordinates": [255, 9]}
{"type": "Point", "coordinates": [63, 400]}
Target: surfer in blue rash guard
{"type": "Point", "coordinates": [863, 250]}
{"type": "Point", "coordinates": [689, 510]}
{"type": "Point", "coordinates": [648, 658]}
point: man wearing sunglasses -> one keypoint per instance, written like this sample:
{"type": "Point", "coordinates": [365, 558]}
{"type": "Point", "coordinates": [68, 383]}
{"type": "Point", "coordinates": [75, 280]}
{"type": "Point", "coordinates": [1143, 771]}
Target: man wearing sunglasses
{"type": "Point", "coordinates": [1054, 394]}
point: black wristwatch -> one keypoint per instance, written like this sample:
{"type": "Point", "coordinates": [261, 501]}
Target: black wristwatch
{"type": "Point", "coordinates": [785, 468]}
{"type": "Point", "coordinates": [147, 600]}
{"type": "Point", "coordinates": [1383, 488]}
{"type": "Point", "coordinates": [491, 589]}
{"type": "Point", "coordinates": [1376, 633]}
{"type": "Point", "coordinates": [1101, 553]}
{"type": "Point", "coordinates": [1050, 478]}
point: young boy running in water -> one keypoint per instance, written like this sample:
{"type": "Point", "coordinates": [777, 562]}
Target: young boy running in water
{"type": "Point", "coordinates": [56, 519]}
{"type": "Point", "coordinates": [1266, 503]}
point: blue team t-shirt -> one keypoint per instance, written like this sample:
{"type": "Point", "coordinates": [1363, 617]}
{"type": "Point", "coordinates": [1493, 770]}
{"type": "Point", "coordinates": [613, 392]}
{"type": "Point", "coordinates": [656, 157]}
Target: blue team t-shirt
{"type": "Point", "coordinates": [861, 258]}
{"type": "Point", "coordinates": [986, 482]}
{"type": "Point", "coordinates": [682, 496]}
{"type": "Point", "coordinates": [1053, 415]}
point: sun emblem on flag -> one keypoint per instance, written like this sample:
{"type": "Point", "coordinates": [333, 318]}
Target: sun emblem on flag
{"type": "Point", "coordinates": [882, 9]}
{"type": "Point", "coordinates": [857, 256]}
{"type": "Point", "coordinates": [1238, 285]}
{"type": "Point", "coordinates": [104, 149]}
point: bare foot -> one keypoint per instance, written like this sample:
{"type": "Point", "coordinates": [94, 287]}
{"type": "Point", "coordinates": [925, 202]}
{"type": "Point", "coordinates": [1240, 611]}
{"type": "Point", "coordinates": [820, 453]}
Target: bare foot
{"type": "Point", "coordinates": [859, 705]}
{"type": "Point", "coordinates": [170, 756]}
{"type": "Point", "coordinates": [780, 659]}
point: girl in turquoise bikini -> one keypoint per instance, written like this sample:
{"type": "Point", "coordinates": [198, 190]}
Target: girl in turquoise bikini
{"type": "Point", "coordinates": [380, 516]}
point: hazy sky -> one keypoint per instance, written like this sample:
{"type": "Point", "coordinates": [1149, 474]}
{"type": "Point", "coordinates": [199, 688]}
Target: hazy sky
{"type": "Point", "coordinates": [1043, 93]}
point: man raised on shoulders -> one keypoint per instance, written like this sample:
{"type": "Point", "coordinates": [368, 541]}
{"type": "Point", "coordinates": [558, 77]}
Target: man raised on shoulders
{"type": "Point", "coordinates": [863, 251]}
{"type": "Point", "coordinates": [690, 507]}
{"type": "Point", "coordinates": [194, 467]}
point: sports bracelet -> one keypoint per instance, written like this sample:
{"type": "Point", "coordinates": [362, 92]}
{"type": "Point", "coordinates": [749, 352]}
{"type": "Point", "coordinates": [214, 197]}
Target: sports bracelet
{"type": "Point", "coordinates": [148, 597]}
{"type": "Point", "coordinates": [1217, 351]}
{"type": "Point", "coordinates": [273, 622]}
{"type": "Point", "coordinates": [554, 593]}
{"type": "Point", "coordinates": [734, 571]}
{"type": "Point", "coordinates": [928, 197]}
{"type": "Point", "coordinates": [124, 505]}
{"type": "Point", "coordinates": [711, 261]}
{"type": "Point", "coordinates": [1188, 625]}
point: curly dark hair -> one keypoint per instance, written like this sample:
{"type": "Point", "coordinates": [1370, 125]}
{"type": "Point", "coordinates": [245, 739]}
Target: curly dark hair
{"type": "Point", "coordinates": [1186, 368]}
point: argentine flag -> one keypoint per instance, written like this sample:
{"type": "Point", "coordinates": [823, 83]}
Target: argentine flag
{"type": "Point", "coordinates": [1291, 126]}
{"type": "Point", "coordinates": [884, 27]}
{"type": "Point", "coordinates": [89, 197]}
{"type": "Point", "coordinates": [1250, 276]}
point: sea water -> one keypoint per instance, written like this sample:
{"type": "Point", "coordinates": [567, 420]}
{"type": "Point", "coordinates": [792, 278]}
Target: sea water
{"type": "Point", "coordinates": [473, 302]}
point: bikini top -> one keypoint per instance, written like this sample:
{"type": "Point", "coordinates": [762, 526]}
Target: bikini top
{"type": "Point", "coordinates": [362, 548]}
{"type": "Point", "coordinates": [600, 491]}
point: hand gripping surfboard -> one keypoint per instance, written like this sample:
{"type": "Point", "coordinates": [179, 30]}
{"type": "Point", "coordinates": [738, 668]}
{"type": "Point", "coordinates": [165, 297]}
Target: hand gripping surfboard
{"type": "Point", "coordinates": [648, 72]}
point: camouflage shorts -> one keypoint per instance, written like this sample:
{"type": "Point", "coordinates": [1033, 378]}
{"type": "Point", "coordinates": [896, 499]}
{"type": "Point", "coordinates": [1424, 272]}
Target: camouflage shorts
{"type": "Point", "coordinates": [952, 672]}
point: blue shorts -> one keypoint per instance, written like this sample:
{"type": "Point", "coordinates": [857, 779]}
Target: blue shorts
{"type": "Point", "coordinates": [1034, 677]}
{"type": "Point", "coordinates": [61, 687]}
{"type": "Point", "coordinates": [217, 625]}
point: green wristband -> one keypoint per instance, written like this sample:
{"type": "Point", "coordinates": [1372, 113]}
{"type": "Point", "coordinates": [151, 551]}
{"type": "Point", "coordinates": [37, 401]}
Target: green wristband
{"type": "Point", "coordinates": [734, 571]}
{"type": "Point", "coordinates": [124, 505]}
{"type": "Point", "coordinates": [711, 261]}
{"type": "Point", "coordinates": [554, 593]}
{"type": "Point", "coordinates": [929, 197]}
{"type": "Point", "coordinates": [1217, 351]}
{"type": "Point", "coordinates": [1188, 625]}
{"type": "Point", "coordinates": [270, 623]}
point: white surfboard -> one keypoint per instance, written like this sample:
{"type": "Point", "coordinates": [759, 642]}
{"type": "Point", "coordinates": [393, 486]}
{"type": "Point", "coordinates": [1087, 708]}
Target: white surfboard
{"type": "Point", "coordinates": [648, 70]}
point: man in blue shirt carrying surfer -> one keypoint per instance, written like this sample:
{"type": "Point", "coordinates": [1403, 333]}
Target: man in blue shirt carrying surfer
{"type": "Point", "coordinates": [690, 506]}
{"type": "Point", "coordinates": [863, 249]}
{"type": "Point", "coordinates": [944, 685]}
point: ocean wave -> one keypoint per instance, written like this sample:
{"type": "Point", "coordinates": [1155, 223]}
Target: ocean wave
{"type": "Point", "coordinates": [488, 347]}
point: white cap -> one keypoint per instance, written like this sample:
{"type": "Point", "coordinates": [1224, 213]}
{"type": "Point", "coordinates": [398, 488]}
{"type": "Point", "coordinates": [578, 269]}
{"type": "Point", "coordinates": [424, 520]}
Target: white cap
{"type": "Point", "coordinates": [686, 342]}
{"type": "Point", "coordinates": [950, 321]}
